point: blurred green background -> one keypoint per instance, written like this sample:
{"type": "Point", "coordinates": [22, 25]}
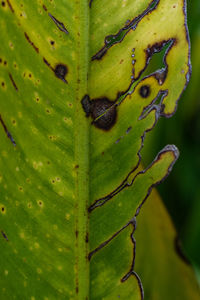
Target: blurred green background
{"type": "Point", "coordinates": [181, 191]}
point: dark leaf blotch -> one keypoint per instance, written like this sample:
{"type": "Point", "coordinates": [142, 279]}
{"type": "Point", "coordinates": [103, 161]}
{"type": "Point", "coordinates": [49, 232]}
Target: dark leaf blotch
{"type": "Point", "coordinates": [61, 71]}
{"type": "Point", "coordinates": [145, 91]}
{"type": "Point", "coordinates": [86, 104]}
{"type": "Point", "coordinates": [107, 110]}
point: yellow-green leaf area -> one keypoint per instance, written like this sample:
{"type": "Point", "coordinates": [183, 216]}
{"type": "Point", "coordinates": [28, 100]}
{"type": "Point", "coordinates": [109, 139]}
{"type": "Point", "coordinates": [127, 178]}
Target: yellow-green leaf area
{"type": "Point", "coordinates": [124, 61]}
{"type": "Point", "coordinates": [70, 186]}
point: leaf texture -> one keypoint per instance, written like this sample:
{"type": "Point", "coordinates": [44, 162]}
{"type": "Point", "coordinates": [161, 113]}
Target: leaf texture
{"type": "Point", "coordinates": [164, 256]}
{"type": "Point", "coordinates": [74, 111]}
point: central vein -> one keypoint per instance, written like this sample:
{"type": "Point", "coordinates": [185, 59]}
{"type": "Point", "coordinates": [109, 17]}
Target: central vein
{"type": "Point", "coordinates": [82, 152]}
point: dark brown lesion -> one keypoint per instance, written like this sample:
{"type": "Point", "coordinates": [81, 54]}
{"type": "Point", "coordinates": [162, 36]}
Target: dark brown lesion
{"type": "Point", "coordinates": [102, 110]}
{"type": "Point", "coordinates": [60, 70]}
{"type": "Point", "coordinates": [31, 43]}
{"type": "Point", "coordinates": [4, 235]}
{"type": "Point", "coordinates": [87, 237]}
{"type": "Point", "coordinates": [13, 82]}
{"type": "Point", "coordinates": [59, 24]}
{"type": "Point", "coordinates": [145, 91]}
{"type": "Point", "coordinates": [86, 105]}
{"type": "Point", "coordinates": [47, 63]}
{"type": "Point", "coordinates": [90, 3]}
{"type": "Point", "coordinates": [10, 6]}
{"type": "Point", "coordinates": [161, 75]}
{"type": "Point", "coordinates": [44, 7]}
{"type": "Point", "coordinates": [6, 131]}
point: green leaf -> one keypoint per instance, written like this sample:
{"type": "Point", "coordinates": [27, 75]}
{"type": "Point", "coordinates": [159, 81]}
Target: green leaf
{"type": "Point", "coordinates": [70, 184]}
{"type": "Point", "coordinates": [158, 248]}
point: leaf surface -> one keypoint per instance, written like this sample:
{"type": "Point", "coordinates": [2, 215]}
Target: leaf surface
{"type": "Point", "coordinates": [165, 261]}
{"type": "Point", "coordinates": [70, 183]}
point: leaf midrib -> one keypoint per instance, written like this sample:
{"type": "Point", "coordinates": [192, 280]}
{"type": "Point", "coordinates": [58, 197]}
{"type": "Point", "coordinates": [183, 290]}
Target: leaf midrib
{"type": "Point", "coordinates": [82, 152]}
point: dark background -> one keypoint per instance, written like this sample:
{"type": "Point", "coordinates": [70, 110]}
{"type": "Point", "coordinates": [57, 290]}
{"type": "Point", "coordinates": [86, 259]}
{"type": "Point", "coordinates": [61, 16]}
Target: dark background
{"type": "Point", "coordinates": [181, 191]}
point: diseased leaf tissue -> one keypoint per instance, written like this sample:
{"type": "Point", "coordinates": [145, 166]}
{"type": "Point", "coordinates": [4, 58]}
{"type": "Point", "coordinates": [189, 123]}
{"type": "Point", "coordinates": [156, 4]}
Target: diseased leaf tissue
{"type": "Point", "coordinates": [75, 107]}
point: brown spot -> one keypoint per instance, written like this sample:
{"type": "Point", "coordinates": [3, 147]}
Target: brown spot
{"type": "Point", "coordinates": [104, 113]}
{"type": "Point", "coordinates": [161, 76]}
{"type": "Point", "coordinates": [13, 82]}
{"type": "Point", "coordinates": [76, 232]}
{"type": "Point", "coordinates": [4, 235]}
{"type": "Point", "coordinates": [86, 105]}
{"type": "Point", "coordinates": [3, 3]}
{"type": "Point", "coordinates": [47, 63]}
{"type": "Point", "coordinates": [30, 42]}
{"type": "Point", "coordinates": [77, 166]}
{"type": "Point", "coordinates": [61, 71]}
{"type": "Point", "coordinates": [6, 131]}
{"type": "Point", "coordinates": [144, 91]}
{"type": "Point", "coordinates": [128, 130]}
{"type": "Point", "coordinates": [87, 237]}
{"type": "Point", "coordinates": [10, 6]}
{"type": "Point", "coordinates": [52, 43]}
{"type": "Point", "coordinates": [59, 24]}
{"type": "Point", "coordinates": [44, 7]}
